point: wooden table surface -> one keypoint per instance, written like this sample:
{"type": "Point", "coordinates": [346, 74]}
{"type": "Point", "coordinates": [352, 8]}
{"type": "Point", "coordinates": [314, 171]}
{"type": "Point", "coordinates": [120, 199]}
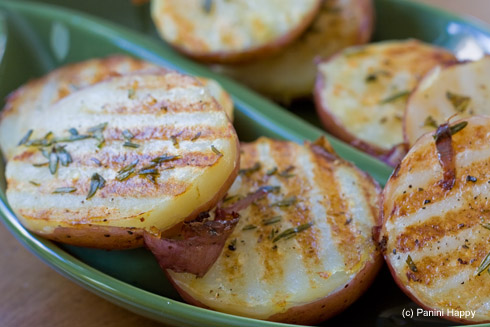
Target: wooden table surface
{"type": "Point", "coordinates": [32, 294]}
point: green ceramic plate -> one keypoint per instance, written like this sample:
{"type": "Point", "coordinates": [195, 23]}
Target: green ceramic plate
{"type": "Point", "coordinates": [36, 38]}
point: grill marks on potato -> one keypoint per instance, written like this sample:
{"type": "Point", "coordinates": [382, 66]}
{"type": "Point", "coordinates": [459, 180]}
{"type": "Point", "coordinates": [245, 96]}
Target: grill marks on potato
{"type": "Point", "coordinates": [443, 231]}
{"type": "Point", "coordinates": [258, 270]}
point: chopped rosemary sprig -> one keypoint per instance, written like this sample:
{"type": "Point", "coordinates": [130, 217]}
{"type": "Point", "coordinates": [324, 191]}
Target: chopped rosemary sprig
{"type": "Point", "coordinates": [73, 131]}
{"type": "Point", "coordinates": [64, 157]}
{"type": "Point", "coordinates": [286, 172]}
{"type": "Point", "coordinates": [65, 190]}
{"type": "Point", "coordinates": [131, 145]}
{"type": "Point", "coordinates": [97, 182]}
{"type": "Point", "coordinates": [249, 227]}
{"type": "Point", "coordinates": [149, 173]}
{"type": "Point", "coordinates": [97, 132]}
{"type": "Point", "coordinates": [165, 158]}
{"type": "Point", "coordinates": [175, 142]}
{"type": "Point", "coordinates": [127, 134]}
{"type": "Point", "coordinates": [485, 225]}
{"type": "Point", "coordinates": [206, 6]}
{"type": "Point", "coordinates": [459, 102]}
{"type": "Point", "coordinates": [34, 183]}
{"type": "Point", "coordinates": [271, 220]}
{"type": "Point", "coordinates": [53, 162]}
{"type": "Point", "coordinates": [484, 264]}
{"type": "Point", "coordinates": [26, 137]}
{"type": "Point", "coordinates": [249, 171]}
{"type": "Point", "coordinates": [271, 171]}
{"type": "Point", "coordinates": [42, 164]}
{"type": "Point", "coordinates": [291, 232]}
{"type": "Point", "coordinates": [459, 126]}
{"type": "Point", "coordinates": [411, 264]}
{"type": "Point", "coordinates": [395, 96]}
{"type": "Point", "coordinates": [127, 171]}
{"type": "Point", "coordinates": [195, 137]}
{"type": "Point", "coordinates": [286, 202]}
{"type": "Point", "coordinates": [270, 188]}
{"type": "Point", "coordinates": [216, 150]}
{"type": "Point", "coordinates": [430, 122]}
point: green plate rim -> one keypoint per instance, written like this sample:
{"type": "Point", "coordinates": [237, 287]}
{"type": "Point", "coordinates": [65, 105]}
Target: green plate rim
{"type": "Point", "coordinates": [138, 300]}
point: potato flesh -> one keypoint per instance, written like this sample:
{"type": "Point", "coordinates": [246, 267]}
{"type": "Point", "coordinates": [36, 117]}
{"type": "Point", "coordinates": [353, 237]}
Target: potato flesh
{"type": "Point", "coordinates": [135, 202]}
{"type": "Point", "coordinates": [36, 97]}
{"type": "Point", "coordinates": [291, 73]}
{"type": "Point", "coordinates": [429, 104]}
{"type": "Point", "coordinates": [442, 230]}
{"type": "Point", "coordinates": [366, 88]}
{"type": "Point", "coordinates": [229, 26]}
{"type": "Point", "coordinates": [258, 280]}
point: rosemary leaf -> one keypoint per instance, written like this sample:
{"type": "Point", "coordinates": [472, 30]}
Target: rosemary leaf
{"type": "Point", "coordinates": [65, 190]}
{"type": "Point", "coordinates": [249, 227]}
{"type": "Point", "coordinates": [486, 225]}
{"type": "Point", "coordinates": [484, 264]}
{"type": "Point", "coordinates": [285, 203]}
{"type": "Point", "coordinates": [131, 145]}
{"type": "Point", "coordinates": [53, 162]}
{"type": "Point", "coordinates": [216, 150]}
{"type": "Point", "coordinates": [290, 232]}
{"type": "Point", "coordinates": [459, 126]}
{"type": "Point", "coordinates": [73, 131]}
{"type": "Point", "coordinates": [411, 264]}
{"type": "Point", "coordinates": [126, 171]}
{"type": "Point", "coordinates": [395, 96]}
{"type": "Point", "coordinates": [206, 6]}
{"type": "Point", "coordinates": [271, 171]}
{"type": "Point", "coordinates": [26, 137]}
{"type": "Point", "coordinates": [459, 102]}
{"type": "Point", "coordinates": [42, 164]}
{"type": "Point", "coordinates": [249, 171]}
{"type": "Point", "coordinates": [97, 182]}
{"type": "Point", "coordinates": [63, 156]}
{"type": "Point", "coordinates": [127, 134]}
{"type": "Point", "coordinates": [430, 122]}
{"type": "Point", "coordinates": [195, 137]}
{"type": "Point", "coordinates": [271, 220]}
{"type": "Point", "coordinates": [34, 183]}
{"type": "Point", "coordinates": [165, 158]}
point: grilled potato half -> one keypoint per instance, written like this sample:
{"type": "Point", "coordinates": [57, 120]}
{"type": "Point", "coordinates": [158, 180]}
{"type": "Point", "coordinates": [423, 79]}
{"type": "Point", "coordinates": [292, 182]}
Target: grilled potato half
{"type": "Point", "coordinates": [132, 153]}
{"type": "Point", "coordinates": [436, 229]}
{"type": "Point", "coordinates": [361, 92]}
{"type": "Point", "coordinates": [34, 98]}
{"type": "Point", "coordinates": [231, 31]}
{"type": "Point", "coordinates": [460, 89]}
{"type": "Point", "coordinates": [291, 73]}
{"type": "Point", "coordinates": [304, 251]}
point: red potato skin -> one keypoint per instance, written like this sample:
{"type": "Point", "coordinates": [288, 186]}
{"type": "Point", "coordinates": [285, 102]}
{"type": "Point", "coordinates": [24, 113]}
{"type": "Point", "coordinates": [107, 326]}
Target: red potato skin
{"type": "Point", "coordinates": [332, 304]}
{"type": "Point", "coordinates": [336, 128]}
{"type": "Point", "coordinates": [395, 277]}
{"type": "Point", "coordinates": [322, 309]}
{"type": "Point", "coordinates": [267, 50]}
{"type": "Point", "coordinates": [367, 27]}
{"type": "Point", "coordinates": [119, 238]}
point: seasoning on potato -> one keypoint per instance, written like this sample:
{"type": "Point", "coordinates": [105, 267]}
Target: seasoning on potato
{"type": "Point", "coordinates": [362, 91]}
{"type": "Point", "coordinates": [139, 152]}
{"type": "Point", "coordinates": [232, 31]}
{"type": "Point", "coordinates": [460, 89]}
{"type": "Point", "coordinates": [291, 73]}
{"type": "Point", "coordinates": [303, 249]}
{"type": "Point", "coordinates": [435, 230]}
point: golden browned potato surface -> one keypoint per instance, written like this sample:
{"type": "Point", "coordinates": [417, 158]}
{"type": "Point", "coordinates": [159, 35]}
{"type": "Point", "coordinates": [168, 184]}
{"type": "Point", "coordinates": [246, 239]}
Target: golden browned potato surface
{"type": "Point", "coordinates": [461, 89]}
{"type": "Point", "coordinates": [361, 92]}
{"type": "Point", "coordinates": [291, 73]}
{"type": "Point", "coordinates": [302, 252]}
{"type": "Point", "coordinates": [141, 151]}
{"type": "Point", "coordinates": [231, 31]}
{"type": "Point", "coordinates": [38, 96]}
{"type": "Point", "coordinates": [437, 236]}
